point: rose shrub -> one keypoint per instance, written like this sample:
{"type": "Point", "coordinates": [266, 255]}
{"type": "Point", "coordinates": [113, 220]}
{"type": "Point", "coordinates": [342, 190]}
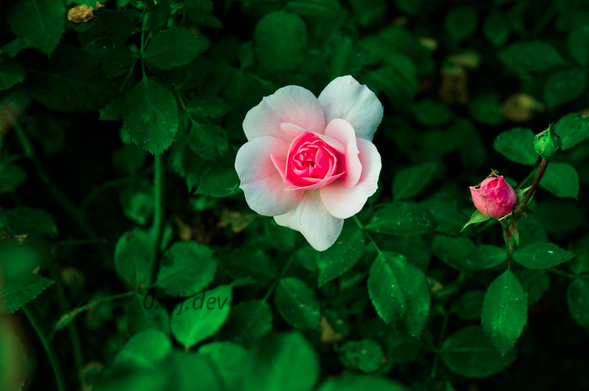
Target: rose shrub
{"type": "Point", "coordinates": [310, 162]}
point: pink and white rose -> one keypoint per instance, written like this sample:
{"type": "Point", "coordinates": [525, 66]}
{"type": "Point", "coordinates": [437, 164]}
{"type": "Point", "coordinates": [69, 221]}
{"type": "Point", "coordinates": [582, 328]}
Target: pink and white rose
{"type": "Point", "coordinates": [310, 162]}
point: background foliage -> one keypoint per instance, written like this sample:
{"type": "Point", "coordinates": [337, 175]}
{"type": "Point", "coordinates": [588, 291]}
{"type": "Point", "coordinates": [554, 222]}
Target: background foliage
{"type": "Point", "coordinates": [121, 212]}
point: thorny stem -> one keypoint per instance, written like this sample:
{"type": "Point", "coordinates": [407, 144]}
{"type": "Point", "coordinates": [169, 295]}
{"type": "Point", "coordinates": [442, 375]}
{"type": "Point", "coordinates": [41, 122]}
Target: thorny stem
{"type": "Point", "coordinates": [34, 320]}
{"type": "Point", "coordinates": [522, 206]}
{"type": "Point", "coordinates": [508, 236]}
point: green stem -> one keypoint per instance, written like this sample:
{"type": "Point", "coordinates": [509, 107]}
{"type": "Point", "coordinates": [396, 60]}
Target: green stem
{"type": "Point", "coordinates": [128, 75]}
{"type": "Point", "coordinates": [562, 273]}
{"type": "Point", "coordinates": [521, 208]}
{"type": "Point", "coordinates": [440, 342]}
{"type": "Point", "coordinates": [282, 273]}
{"type": "Point", "coordinates": [158, 219]}
{"type": "Point", "coordinates": [34, 319]}
{"type": "Point", "coordinates": [359, 223]}
{"type": "Point", "coordinates": [68, 317]}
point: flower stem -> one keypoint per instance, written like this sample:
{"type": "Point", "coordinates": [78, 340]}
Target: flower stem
{"type": "Point", "coordinates": [34, 319]}
{"type": "Point", "coordinates": [158, 218]}
{"type": "Point", "coordinates": [521, 208]}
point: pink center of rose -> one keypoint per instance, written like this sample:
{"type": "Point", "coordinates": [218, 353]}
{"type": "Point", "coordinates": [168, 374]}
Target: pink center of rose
{"type": "Point", "coordinates": [312, 161]}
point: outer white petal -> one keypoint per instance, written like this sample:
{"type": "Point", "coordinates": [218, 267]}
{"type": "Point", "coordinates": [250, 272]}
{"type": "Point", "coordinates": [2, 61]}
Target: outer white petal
{"type": "Point", "coordinates": [347, 99]}
{"type": "Point", "coordinates": [265, 191]}
{"type": "Point", "coordinates": [343, 202]}
{"type": "Point", "coordinates": [292, 104]}
{"type": "Point", "coordinates": [311, 219]}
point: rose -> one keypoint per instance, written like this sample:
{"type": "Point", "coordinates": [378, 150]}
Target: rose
{"type": "Point", "coordinates": [310, 162]}
{"type": "Point", "coordinates": [493, 197]}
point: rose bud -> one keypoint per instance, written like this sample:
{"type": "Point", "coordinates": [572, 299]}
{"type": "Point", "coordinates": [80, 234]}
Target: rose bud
{"type": "Point", "coordinates": [493, 197]}
{"type": "Point", "coordinates": [547, 144]}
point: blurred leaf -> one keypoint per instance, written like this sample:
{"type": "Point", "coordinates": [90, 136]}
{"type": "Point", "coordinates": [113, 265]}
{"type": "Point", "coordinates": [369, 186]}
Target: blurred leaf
{"type": "Point", "coordinates": [559, 216]}
{"type": "Point", "coordinates": [19, 291]}
{"type": "Point", "coordinates": [173, 47]}
{"type": "Point", "coordinates": [517, 144]}
{"type": "Point", "coordinates": [579, 43]}
{"type": "Point", "coordinates": [24, 220]}
{"type": "Point", "coordinates": [203, 108]}
{"type": "Point", "coordinates": [297, 304]}
{"type": "Point", "coordinates": [138, 201]}
{"type": "Point", "coordinates": [572, 129]}
{"type": "Point", "coordinates": [207, 140]}
{"type": "Point", "coordinates": [411, 181]}
{"type": "Point", "coordinates": [450, 218]}
{"type": "Point", "coordinates": [562, 180]}
{"type": "Point", "coordinates": [231, 361]}
{"type": "Point", "coordinates": [469, 352]}
{"type": "Point", "coordinates": [145, 349]}
{"type": "Point", "coordinates": [486, 109]}
{"type": "Point", "coordinates": [144, 312]}
{"type": "Point", "coordinates": [315, 8]}
{"type": "Point", "coordinates": [399, 292]}
{"type": "Point", "coordinates": [397, 79]}
{"type": "Point", "coordinates": [497, 28]}
{"type": "Point", "coordinates": [564, 86]}
{"type": "Point", "coordinates": [11, 177]}
{"type": "Point", "coordinates": [530, 56]}
{"type": "Point", "coordinates": [411, 7]}
{"type": "Point", "coordinates": [368, 11]}
{"type": "Point", "coordinates": [365, 355]}
{"type": "Point", "coordinates": [13, 362]}
{"type": "Point", "coordinates": [578, 299]}
{"type": "Point", "coordinates": [11, 73]}
{"type": "Point", "coordinates": [469, 305]}
{"type": "Point", "coordinates": [402, 218]}
{"type": "Point", "coordinates": [580, 264]}
{"type": "Point", "coordinates": [505, 311]}
{"type": "Point", "coordinates": [279, 40]}
{"type": "Point", "coordinates": [454, 251]}
{"type": "Point", "coordinates": [134, 256]}
{"type": "Point", "coordinates": [129, 159]}
{"type": "Point", "coordinates": [342, 256]}
{"type": "Point", "coordinates": [157, 17]}
{"type": "Point", "coordinates": [345, 56]}
{"type": "Point", "coordinates": [541, 255]}
{"type": "Point", "coordinates": [248, 322]}
{"type": "Point", "coordinates": [186, 269]}
{"type": "Point", "coordinates": [152, 116]}
{"type": "Point", "coordinates": [254, 263]}
{"type": "Point", "coordinates": [351, 381]}
{"type": "Point", "coordinates": [534, 282]}
{"type": "Point", "coordinates": [219, 182]}
{"type": "Point", "coordinates": [40, 23]}
{"type": "Point", "coordinates": [429, 112]}
{"type": "Point", "coordinates": [192, 324]}
{"type": "Point", "coordinates": [279, 237]}
{"type": "Point", "coordinates": [283, 361]}
{"type": "Point", "coordinates": [461, 22]}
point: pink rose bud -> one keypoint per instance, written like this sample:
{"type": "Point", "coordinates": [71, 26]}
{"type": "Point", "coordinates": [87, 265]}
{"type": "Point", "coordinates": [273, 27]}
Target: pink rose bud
{"type": "Point", "coordinates": [309, 161]}
{"type": "Point", "coordinates": [493, 197]}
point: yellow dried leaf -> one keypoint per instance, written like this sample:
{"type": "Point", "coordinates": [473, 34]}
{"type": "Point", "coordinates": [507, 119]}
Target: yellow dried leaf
{"type": "Point", "coordinates": [520, 107]}
{"type": "Point", "coordinates": [328, 335]}
{"type": "Point", "coordinates": [83, 13]}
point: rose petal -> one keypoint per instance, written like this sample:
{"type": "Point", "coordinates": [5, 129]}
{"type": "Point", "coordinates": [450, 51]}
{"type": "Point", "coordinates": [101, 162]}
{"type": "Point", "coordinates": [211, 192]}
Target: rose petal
{"type": "Point", "coordinates": [343, 132]}
{"type": "Point", "coordinates": [292, 104]}
{"type": "Point", "coordinates": [311, 219]}
{"type": "Point", "coordinates": [265, 191]}
{"type": "Point", "coordinates": [347, 99]}
{"type": "Point", "coordinates": [343, 202]}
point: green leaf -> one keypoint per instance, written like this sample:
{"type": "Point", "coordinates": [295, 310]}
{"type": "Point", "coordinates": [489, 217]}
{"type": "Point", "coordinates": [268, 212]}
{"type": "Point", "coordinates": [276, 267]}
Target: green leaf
{"type": "Point", "coordinates": [129, 159]}
{"type": "Point", "coordinates": [402, 218]}
{"type": "Point", "coordinates": [486, 109]}
{"type": "Point", "coordinates": [497, 28]}
{"type": "Point", "coordinates": [24, 220]}
{"type": "Point", "coordinates": [350, 381]}
{"type": "Point", "coordinates": [134, 256]}
{"type": "Point", "coordinates": [367, 12]}
{"type": "Point", "coordinates": [450, 218]}
{"type": "Point", "coordinates": [541, 255]}
{"type": "Point", "coordinates": [145, 349]}
{"type": "Point", "coordinates": [411, 181]}
{"type": "Point", "coordinates": [579, 43]}
{"type": "Point", "coordinates": [186, 269]}
{"type": "Point", "coordinates": [279, 237]}
{"type": "Point", "coordinates": [572, 129]}
{"type": "Point", "coordinates": [297, 304]}
{"type": "Point", "coordinates": [286, 362]}
{"type": "Point", "coordinates": [11, 177]}
{"type": "Point", "coordinates": [248, 322]}
{"type": "Point", "coordinates": [399, 292]}
{"type": "Point", "coordinates": [578, 299]}
{"type": "Point", "coordinates": [560, 216]}
{"type": "Point", "coordinates": [345, 56]}
{"type": "Point", "coordinates": [454, 251]}
{"type": "Point", "coordinates": [40, 23]}
{"type": "Point", "coordinates": [146, 312]}
{"type": "Point", "coordinates": [413, 247]}
{"type": "Point", "coordinates": [152, 116]}
{"type": "Point", "coordinates": [461, 22]}
{"type": "Point", "coordinates": [207, 140]}
{"type": "Point", "coordinates": [194, 321]}
{"type": "Point", "coordinates": [469, 306]}
{"type": "Point", "coordinates": [157, 17]}
{"type": "Point", "coordinates": [19, 291]}
{"type": "Point", "coordinates": [205, 107]}
{"type": "Point", "coordinates": [534, 282]}
{"type": "Point", "coordinates": [486, 256]}
{"type": "Point", "coordinates": [230, 359]}
{"type": "Point", "coordinates": [562, 180]}
{"type": "Point", "coordinates": [429, 112]}
{"type": "Point", "coordinates": [365, 355]}
{"type": "Point", "coordinates": [279, 40]}
{"type": "Point", "coordinates": [71, 80]}
{"type": "Point", "coordinates": [315, 8]}
{"type": "Point", "coordinates": [517, 144]}
{"type": "Point", "coordinates": [505, 311]}
{"type": "Point", "coordinates": [138, 201]}
{"type": "Point", "coordinates": [174, 47]}
{"type": "Point", "coordinates": [530, 56]}
{"type": "Point", "coordinates": [580, 264]}
{"type": "Point", "coordinates": [397, 79]}
{"type": "Point", "coordinates": [184, 371]}
{"type": "Point", "coordinates": [219, 182]}
{"type": "Point", "coordinates": [565, 86]}
{"type": "Point", "coordinates": [114, 111]}
{"type": "Point", "coordinates": [469, 352]}
{"type": "Point", "coordinates": [11, 73]}
{"type": "Point", "coordinates": [254, 263]}
{"type": "Point", "coordinates": [342, 256]}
